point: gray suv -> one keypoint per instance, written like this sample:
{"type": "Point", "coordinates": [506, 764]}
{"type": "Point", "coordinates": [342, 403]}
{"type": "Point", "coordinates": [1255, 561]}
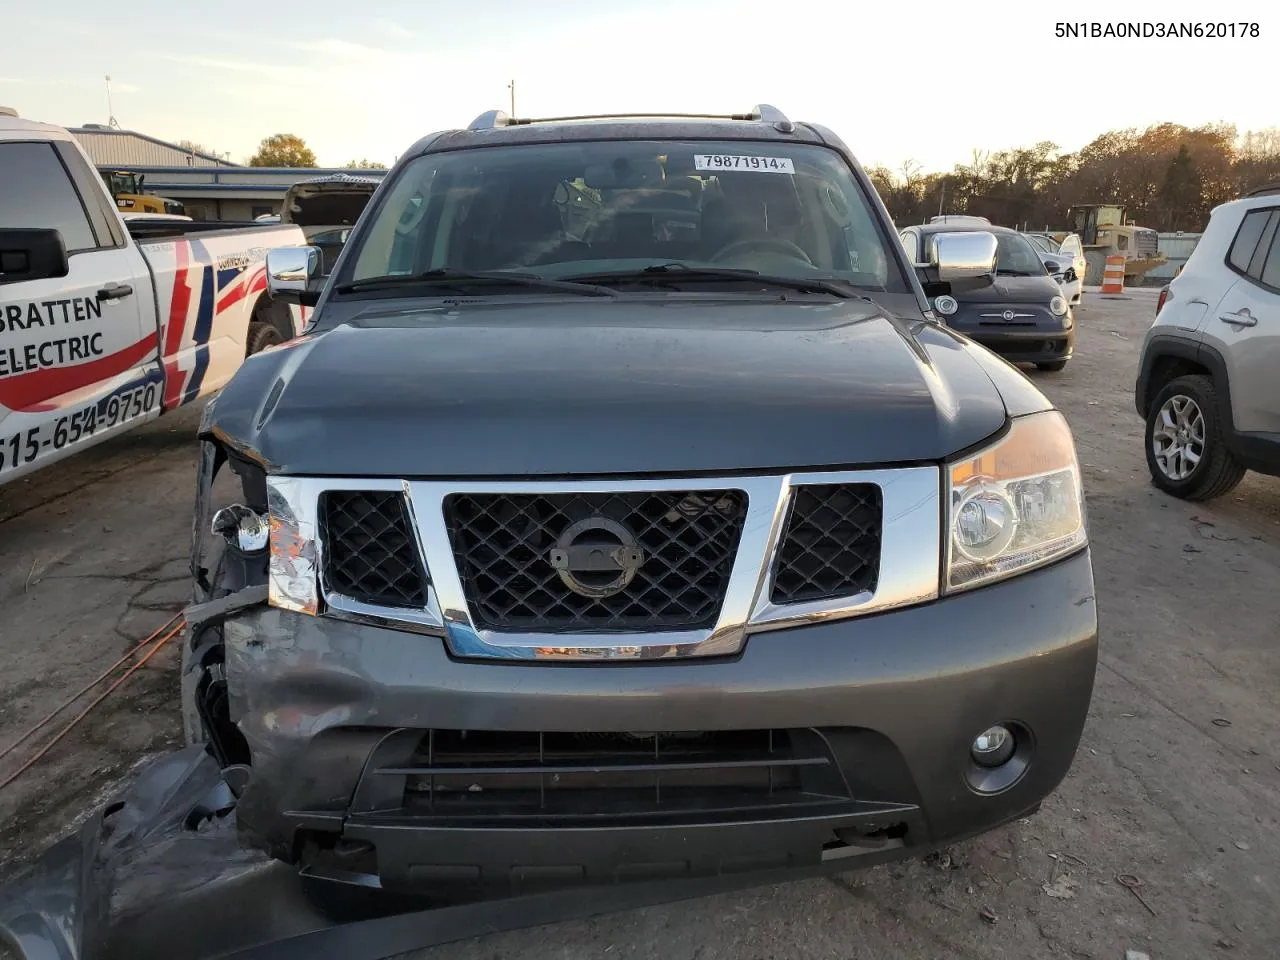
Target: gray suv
{"type": "Point", "coordinates": [624, 512]}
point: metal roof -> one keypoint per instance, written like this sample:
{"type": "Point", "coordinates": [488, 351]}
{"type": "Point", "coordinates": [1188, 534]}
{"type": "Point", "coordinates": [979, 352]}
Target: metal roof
{"type": "Point", "coordinates": [125, 149]}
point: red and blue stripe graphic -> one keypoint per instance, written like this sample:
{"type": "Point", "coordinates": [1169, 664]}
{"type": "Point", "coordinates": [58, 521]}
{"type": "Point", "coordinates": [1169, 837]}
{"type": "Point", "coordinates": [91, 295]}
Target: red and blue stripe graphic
{"type": "Point", "coordinates": [204, 327]}
{"type": "Point", "coordinates": [179, 306]}
{"type": "Point", "coordinates": [185, 361]}
{"type": "Point", "coordinates": [218, 290]}
{"type": "Point", "coordinates": [233, 292]}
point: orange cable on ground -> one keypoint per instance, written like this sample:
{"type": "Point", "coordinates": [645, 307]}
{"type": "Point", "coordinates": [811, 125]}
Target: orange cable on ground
{"type": "Point", "coordinates": [83, 713]}
{"type": "Point", "coordinates": [86, 688]}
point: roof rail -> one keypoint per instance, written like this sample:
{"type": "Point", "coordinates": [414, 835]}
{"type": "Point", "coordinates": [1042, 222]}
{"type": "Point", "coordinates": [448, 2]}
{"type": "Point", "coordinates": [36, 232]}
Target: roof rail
{"type": "Point", "coordinates": [1265, 191]}
{"type": "Point", "coordinates": [761, 113]}
{"type": "Point", "coordinates": [769, 114]}
{"type": "Point", "coordinates": [489, 120]}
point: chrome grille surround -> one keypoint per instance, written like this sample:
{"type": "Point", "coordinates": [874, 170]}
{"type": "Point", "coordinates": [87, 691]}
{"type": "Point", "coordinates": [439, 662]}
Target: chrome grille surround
{"type": "Point", "coordinates": [911, 537]}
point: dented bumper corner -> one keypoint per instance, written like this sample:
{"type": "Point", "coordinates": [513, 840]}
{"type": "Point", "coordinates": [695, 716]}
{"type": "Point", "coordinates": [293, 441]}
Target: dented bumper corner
{"type": "Point", "coordinates": [339, 719]}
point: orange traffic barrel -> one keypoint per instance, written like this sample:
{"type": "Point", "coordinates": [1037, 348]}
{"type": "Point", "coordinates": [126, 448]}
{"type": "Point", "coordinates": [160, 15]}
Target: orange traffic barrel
{"type": "Point", "coordinates": [1113, 275]}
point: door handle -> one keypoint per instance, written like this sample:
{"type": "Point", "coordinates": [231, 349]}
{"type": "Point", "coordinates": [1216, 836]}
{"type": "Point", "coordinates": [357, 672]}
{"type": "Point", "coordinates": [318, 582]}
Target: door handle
{"type": "Point", "coordinates": [115, 291]}
{"type": "Point", "coordinates": [1242, 319]}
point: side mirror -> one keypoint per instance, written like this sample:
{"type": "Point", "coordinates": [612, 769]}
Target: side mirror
{"type": "Point", "coordinates": [1052, 266]}
{"type": "Point", "coordinates": [959, 261]}
{"type": "Point", "coordinates": [295, 275]}
{"type": "Point", "coordinates": [32, 255]}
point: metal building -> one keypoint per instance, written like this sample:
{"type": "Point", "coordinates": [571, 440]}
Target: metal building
{"type": "Point", "coordinates": [210, 187]}
{"type": "Point", "coordinates": [126, 149]}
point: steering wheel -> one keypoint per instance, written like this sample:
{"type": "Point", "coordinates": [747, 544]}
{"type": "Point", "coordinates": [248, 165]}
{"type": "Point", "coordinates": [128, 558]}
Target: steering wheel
{"type": "Point", "coordinates": [777, 245]}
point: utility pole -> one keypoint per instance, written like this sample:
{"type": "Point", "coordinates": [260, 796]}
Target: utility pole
{"type": "Point", "coordinates": [111, 113]}
{"type": "Point", "coordinates": [512, 87]}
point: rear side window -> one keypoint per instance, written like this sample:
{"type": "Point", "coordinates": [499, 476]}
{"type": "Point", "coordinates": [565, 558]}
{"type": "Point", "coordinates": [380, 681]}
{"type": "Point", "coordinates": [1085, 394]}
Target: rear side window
{"type": "Point", "coordinates": [38, 194]}
{"type": "Point", "coordinates": [1270, 274]}
{"type": "Point", "coordinates": [1246, 241]}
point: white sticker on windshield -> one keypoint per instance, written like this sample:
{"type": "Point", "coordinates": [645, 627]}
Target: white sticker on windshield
{"type": "Point", "coordinates": [723, 161]}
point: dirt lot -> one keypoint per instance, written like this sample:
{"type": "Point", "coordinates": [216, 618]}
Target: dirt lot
{"type": "Point", "coordinates": [1177, 780]}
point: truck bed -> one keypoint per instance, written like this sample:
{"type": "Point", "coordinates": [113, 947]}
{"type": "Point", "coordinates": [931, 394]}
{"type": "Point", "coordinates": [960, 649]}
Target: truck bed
{"type": "Point", "coordinates": [144, 230]}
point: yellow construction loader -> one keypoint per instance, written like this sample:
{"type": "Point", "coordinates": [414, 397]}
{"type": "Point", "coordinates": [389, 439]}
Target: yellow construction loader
{"type": "Point", "coordinates": [1104, 232]}
{"type": "Point", "coordinates": [126, 190]}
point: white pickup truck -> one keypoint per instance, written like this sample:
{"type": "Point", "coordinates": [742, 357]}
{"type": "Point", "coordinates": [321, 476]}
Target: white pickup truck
{"type": "Point", "coordinates": [104, 323]}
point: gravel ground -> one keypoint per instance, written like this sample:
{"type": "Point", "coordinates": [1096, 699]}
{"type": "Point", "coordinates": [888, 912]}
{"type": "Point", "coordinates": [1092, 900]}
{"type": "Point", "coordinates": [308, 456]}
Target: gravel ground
{"type": "Point", "coordinates": [1177, 780]}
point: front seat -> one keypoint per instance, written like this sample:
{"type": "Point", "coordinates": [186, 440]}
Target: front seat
{"type": "Point", "coordinates": [531, 231]}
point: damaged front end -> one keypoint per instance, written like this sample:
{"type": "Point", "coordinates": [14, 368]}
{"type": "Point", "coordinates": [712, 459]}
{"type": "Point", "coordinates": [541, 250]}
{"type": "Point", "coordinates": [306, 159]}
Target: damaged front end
{"type": "Point", "coordinates": [229, 572]}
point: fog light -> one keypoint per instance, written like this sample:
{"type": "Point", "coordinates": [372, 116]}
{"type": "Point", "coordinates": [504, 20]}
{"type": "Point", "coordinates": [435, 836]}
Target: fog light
{"type": "Point", "coordinates": [993, 746]}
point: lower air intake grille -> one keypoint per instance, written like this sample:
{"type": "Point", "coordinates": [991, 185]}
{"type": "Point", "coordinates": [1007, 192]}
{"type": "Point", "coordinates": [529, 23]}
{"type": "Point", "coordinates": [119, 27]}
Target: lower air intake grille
{"type": "Point", "coordinates": [831, 547]}
{"type": "Point", "coordinates": [581, 562]}
{"type": "Point", "coordinates": [599, 776]}
{"type": "Point", "coordinates": [370, 553]}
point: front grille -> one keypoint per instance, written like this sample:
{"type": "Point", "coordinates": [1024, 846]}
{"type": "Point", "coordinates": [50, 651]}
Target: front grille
{"type": "Point", "coordinates": [370, 552]}
{"type": "Point", "coordinates": [466, 773]}
{"type": "Point", "coordinates": [1019, 348]}
{"type": "Point", "coordinates": [1147, 242]}
{"type": "Point", "coordinates": [831, 547]}
{"type": "Point", "coordinates": [556, 562]}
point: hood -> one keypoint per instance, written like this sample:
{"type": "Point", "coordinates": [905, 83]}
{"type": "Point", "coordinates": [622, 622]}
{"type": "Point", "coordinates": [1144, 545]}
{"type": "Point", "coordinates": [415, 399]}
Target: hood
{"type": "Point", "coordinates": [556, 388]}
{"type": "Point", "coordinates": [336, 200]}
{"type": "Point", "coordinates": [1038, 289]}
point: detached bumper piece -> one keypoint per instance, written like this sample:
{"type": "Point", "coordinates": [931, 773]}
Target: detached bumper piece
{"type": "Point", "coordinates": [521, 811]}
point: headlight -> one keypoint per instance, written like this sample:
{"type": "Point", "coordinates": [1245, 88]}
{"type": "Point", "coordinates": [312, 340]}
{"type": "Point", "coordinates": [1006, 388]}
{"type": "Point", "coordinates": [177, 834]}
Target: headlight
{"type": "Point", "coordinates": [1058, 307]}
{"type": "Point", "coordinates": [243, 526]}
{"type": "Point", "coordinates": [292, 568]}
{"type": "Point", "coordinates": [946, 305]}
{"type": "Point", "coordinates": [1016, 505]}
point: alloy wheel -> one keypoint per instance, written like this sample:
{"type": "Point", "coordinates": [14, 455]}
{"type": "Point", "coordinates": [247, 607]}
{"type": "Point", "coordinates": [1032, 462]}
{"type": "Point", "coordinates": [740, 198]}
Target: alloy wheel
{"type": "Point", "coordinates": [1177, 437]}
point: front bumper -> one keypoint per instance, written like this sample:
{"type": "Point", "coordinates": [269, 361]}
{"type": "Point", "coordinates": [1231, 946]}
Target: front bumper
{"type": "Point", "coordinates": [1025, 345]}
{"type": "Point", "coordinates": [336, 714]}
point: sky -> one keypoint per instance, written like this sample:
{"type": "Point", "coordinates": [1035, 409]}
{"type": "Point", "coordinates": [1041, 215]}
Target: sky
{"type": "Point", "coordinates": [925, 83]}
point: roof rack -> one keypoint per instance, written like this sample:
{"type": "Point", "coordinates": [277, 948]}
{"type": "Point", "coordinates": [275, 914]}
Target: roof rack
{"type": "Point", "coordinates": [760, 113]}
{"type": "Point", "coordinates": [1265, 191]}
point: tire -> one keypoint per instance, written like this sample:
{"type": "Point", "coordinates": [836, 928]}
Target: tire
{"type": "Point", "coordinates": [1053, 366]}
{"type": "Point", "coordinates": [1217, 471]}
{"type": "Point", "coordinates": [261, 336]}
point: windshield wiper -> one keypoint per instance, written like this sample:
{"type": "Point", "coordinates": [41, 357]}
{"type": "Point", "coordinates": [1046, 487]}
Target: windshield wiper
{"type": "Point", "coordinates": [1014, 273]}
{"type": "Point", "coordinates": [462, 280]}
{"type": "Point", "coordinates": [666, 273]}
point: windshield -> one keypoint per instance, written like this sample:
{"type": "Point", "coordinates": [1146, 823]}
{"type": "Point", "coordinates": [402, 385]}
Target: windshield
{"type": "Point", "coordinates": [123, 183]}
{"type": "Point", "coordinates": [580, 209]}
{"type": "Point", "coordinates": [1016, 256]}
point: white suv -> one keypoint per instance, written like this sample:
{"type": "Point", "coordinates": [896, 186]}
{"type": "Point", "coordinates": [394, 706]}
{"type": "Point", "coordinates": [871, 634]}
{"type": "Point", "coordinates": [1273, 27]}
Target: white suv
{"type": "Point", "coordinates": [1068, 257]}
{"type": "Point", "coordinates": [1209, 379]}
